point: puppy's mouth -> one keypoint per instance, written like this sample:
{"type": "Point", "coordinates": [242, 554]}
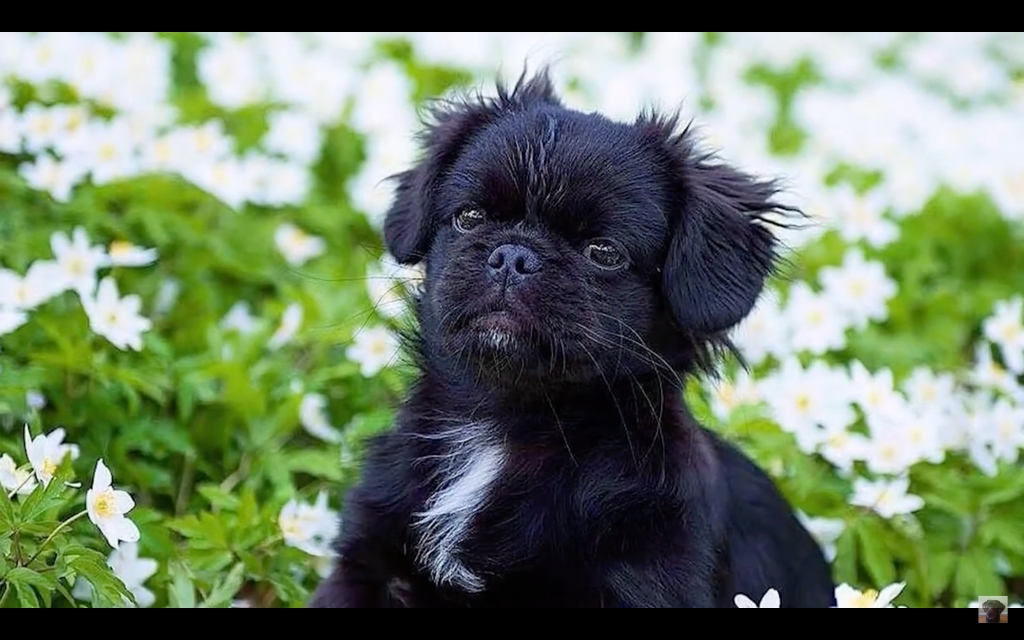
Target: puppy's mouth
{"type": "Point", "coordinates": [498, 329]}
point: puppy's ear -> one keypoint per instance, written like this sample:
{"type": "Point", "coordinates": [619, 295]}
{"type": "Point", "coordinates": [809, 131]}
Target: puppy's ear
{"type": "Point", "coordinates": [721, 250]}
{"type": "Point", "coordinates": [452, 123]}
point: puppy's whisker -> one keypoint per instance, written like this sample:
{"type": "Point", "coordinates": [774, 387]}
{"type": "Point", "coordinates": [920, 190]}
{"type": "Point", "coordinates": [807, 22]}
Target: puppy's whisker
{"type": "Point", "coordinates": [611, 392]}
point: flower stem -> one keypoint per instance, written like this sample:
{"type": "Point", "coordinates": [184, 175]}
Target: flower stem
{"type": "Point", "coordinates": [10, 496]}
{"type": "Point", "coordinates": [54, 533]}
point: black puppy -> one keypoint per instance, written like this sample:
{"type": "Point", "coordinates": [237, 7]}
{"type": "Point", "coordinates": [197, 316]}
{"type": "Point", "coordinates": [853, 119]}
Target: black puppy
{"type": "Point", "coordinates": [576, 270]}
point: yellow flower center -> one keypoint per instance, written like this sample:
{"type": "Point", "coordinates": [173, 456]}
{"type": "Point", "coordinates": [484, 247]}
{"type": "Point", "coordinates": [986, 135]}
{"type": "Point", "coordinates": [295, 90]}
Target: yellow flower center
{"type": "Point", "coordinates": [866, 599]}
{"type": "Point", "coordinates": [803, 403]}
{"type": "Point", "coordinates": [815, 316]}
{"type": "Point", "coordinates": [857, 288]}
{"type": "Point", "coordinates": [838, 440]}
{"type": "Point", "coordinates": [108, 152]}
{"type": "Point", "coordinates": [104, 504]}
{"type": "Point", "coordinates": [49, 467]}
{"type": "Point", "coordinates": [377, 347]}
{"type": "Point", "coordinates": [292, 527]}
{"type": "Point", "coordinates": [76, 266]}
{"type": "Point", "coordinates": [889, 452]}
{"type": "Point", "coordinates": [120, 247]}
{"type": "Point", "coordinates": [1010, 331]}
{"type": "Point", "coordinates": [112, 318]}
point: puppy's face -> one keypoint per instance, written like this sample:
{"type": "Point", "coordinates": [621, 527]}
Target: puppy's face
{"type": "Point", "coordinates": [567, 247]}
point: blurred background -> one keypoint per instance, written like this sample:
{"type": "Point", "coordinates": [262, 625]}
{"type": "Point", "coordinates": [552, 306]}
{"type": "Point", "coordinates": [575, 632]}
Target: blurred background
{"type": "Point", "coordinates": [193, 290]}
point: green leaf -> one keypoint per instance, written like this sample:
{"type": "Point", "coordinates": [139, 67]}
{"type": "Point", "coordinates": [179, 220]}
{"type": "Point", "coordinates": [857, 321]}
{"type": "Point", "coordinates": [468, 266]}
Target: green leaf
{"type": "Point", "coordinates": [940, 569]}
{"type": "Point", "coordinates": [976, 575]}
{"type": "Point", "coordinates": [23, 578]}
{"type": "Point", "coordinates": [218, 498]}
{"type": "Point", "coordinates": [205, 531]}
{"type": "Point", "coordinates": [108, 590]}
{"type": "Point", "coordinates": [7, 516]}
{"type": "Point", "coordinates": [182, 594]}
{"type": "Point", "coordinates": [845, 568]}
{"type": "Point", "coordinates": [226, 589]}
{"type": "Point", "coordinates": [874, 553]}
{"type": "Point", "coordinates": [1008, 535]}
{"type": "Point", "coordinates": [41, 501]}
{"type": "Point", "coordinates": [322, 464]}
{"type": "Point", "coordinates": [1010, 493]}
{"type": "Point", "coordinates": [26, 596]}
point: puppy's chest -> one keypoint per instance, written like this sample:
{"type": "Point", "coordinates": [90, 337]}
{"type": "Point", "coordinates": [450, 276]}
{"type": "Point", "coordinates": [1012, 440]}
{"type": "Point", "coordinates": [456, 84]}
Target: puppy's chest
{"type": "Point", "coordinates": [481, 514]}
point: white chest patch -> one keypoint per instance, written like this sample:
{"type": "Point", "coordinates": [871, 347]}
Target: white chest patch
{"type": "Point", "coordinates": [468, 470]}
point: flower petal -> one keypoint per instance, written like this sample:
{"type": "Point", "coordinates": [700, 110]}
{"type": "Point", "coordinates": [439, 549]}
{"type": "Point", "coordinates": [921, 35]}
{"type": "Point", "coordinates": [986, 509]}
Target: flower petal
{"type": "Point", "coordinates": [126, 529]}
{"type": "Point", "coordinates": [123, 502]}
{"type": "Point", "coordinates": [101, 479]}
{"type": "Point", "coordinates": [743, 602]}
{"type": "Point", "coordinates": [771, 600]}
{"type": "Point", "coordinates": [889, 594]}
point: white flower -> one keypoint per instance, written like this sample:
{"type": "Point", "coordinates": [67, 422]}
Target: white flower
{"type": "Point", "coordinates": [116, 319]}
{"type": "Point", "coordinates": [862, 217]}
{"type": "Point", "coordinates": [860, 288]}
{"type": "Point", "coordinates": [133, 571]}
{"type": "Point", "coordinates": [887, 498]}
{"type": "Point", "coordinates": [35, 399]}
{"type": "Point", "coordinates": [293, 134]}
{"type": "Point", "coordinates": [727, 395]}
{"type": "Point", "coordinates": [841, 447]}
{"type": "Point", "coordinates": [373, 350]}
{"type": "Point", "coordinates": [10, 131]}
{"type": "Point", "coordinates": [818, 324]}
{"type": "Point", "coordinates": [11, 477]}
{"type": "Point", "coordinates": [10, 320]}
{"type": "Point", "coordinates": [107, 506]}
{"type": "Point", "coordinates": [41, 282]}
{"type": "Point", "coordinates": [238, 318]}
{"type": "Point", "coordinates": [296, 245]}
{"type": "Point", "coordinates": [874, 393]}
{"type": "Point", "coordinates": [849, 598]}
{"type": "Point", "coordinates": [825, 531]}
{"type": "Point", "coordinates": [314, 419]}
{"type": "Point", "coordinates": [802, 402]}
{"type": "Point", "coordinates": [1006, 329]}
{"type": "Point", "coordinates": [47, 452]}
{"type": "Point", "coordinates": [110, 153]}
{"type": "Point", "coordinates": [56, 177]}
{"type": "Point", "coordinates": [291, 320]}
{"type": "Point", "coordinates": [77, 260]}
{"type": "Point", "coordinates": [763, 333]}
{"type": "Point", "coordinates": [125, 254]}
{"type": "Point", "coordinates": [309, 527]}
{"type": "Point", "coordinates": [770, 600]}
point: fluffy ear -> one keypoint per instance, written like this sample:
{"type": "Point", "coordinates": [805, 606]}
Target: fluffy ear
{"type": "Point", "coordinates": [409, 225]}
{"type": "Point", "coordinates": [721, 250]}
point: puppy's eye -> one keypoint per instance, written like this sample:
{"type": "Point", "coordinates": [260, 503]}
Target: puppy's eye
{"type": "Point", "coordinates": [606, 253]}
{"type": "Point", "coordinates": [468, 219]}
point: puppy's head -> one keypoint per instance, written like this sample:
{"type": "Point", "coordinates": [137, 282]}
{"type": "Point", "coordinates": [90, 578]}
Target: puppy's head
{"type": "Point", "coordinates": [567, 247]}
{"type": "Point", "coordinates": [993, 608]}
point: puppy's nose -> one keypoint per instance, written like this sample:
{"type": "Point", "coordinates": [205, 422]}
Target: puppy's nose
{"type": "Point", "coordinates": [510, 264]}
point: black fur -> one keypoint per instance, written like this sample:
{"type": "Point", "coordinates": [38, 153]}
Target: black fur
{"type": "Point", "coordinates": [610, 494]}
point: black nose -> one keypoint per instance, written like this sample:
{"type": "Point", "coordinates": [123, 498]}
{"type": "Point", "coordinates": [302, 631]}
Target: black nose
{"type": "Point", "coordinates": [510, 264]}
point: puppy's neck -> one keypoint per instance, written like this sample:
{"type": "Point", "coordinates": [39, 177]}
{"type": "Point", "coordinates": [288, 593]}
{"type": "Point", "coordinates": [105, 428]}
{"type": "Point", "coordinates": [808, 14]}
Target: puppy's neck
{"type": "Point", "coordinates": [595, 411]}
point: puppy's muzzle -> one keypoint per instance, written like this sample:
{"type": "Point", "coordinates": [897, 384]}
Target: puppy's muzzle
{"type": "Point", "coordinates": [512, 264]}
